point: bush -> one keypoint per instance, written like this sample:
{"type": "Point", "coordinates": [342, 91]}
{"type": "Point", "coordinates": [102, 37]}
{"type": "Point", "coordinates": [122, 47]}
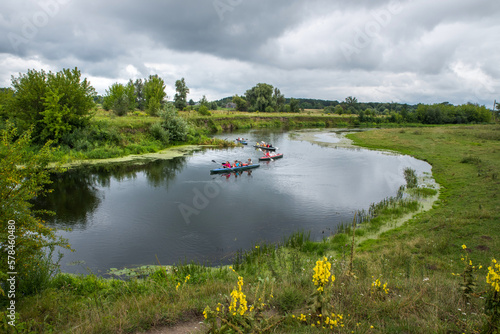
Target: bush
{"type": "Point", "coordinates": [203, 110]}
{"type": "Point", "coordinates": [177, 127]}
{"type": "Point", "coordinates": [159, 133]}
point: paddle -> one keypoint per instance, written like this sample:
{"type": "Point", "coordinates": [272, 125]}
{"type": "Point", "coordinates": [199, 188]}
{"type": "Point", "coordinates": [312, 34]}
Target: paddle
{"type": "Point", "coordinates": [266, 155]}
{"type": "Point", "coordinates": [220, 163]}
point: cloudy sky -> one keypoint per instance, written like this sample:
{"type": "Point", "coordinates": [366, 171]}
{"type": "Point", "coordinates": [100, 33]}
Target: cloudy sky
{"type": "Point", "coordinates": [406, 51]}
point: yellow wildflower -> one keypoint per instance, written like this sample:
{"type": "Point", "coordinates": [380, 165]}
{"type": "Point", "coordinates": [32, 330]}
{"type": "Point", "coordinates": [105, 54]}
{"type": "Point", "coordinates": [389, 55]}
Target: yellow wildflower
{"type": "Point", "coordinates": [322, 273]}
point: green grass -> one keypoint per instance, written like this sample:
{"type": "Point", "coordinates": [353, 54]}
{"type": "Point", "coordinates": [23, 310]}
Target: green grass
{"type": "Point", "coordinates": [415, 259]}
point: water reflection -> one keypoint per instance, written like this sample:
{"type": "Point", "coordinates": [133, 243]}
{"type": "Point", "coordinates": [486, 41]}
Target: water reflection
{"type": "Point", "coordinates": [75, 195]}
{"type": "Point", "coordinates": [78, 192]}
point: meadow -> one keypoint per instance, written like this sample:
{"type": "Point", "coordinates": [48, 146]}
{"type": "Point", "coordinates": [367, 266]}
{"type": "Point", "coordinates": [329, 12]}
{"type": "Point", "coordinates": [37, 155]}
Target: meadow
{"type": "Point", "coordinates": [434, 273]}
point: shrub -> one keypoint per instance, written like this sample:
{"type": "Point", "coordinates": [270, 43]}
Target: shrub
{"type": "Point", "coordinates": [159, 133]}
{"type": "Point", "coordinates": [203, 110]}
{"type": "Point", "coordinates": [177, 126]}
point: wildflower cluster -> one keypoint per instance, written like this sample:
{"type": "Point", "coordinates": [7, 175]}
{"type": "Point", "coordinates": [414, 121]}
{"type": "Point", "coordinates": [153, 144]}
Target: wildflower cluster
{"type": "Point", "coordinates": [238, 299]}
{"type": "Point", "coordinates": [186, 279]}
{"type": "Point", "coordinates": [327, 321]}
{"type": "Point", "coordinates": [493, 276]}
{"type": "Point", "coordinates": [322, 274]}
{"type": "Point", "coordinates": [468, 284]}
{"type": "Point", "coordinates": [238, 316]}
{"type": "Point", "coordinates": [378, 287]}
{"type": "Point", "coordinates": [492, 302]}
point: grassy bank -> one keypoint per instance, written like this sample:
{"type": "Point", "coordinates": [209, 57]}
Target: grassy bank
{"type": "Point", "coordinates": [109, 136]}
{"type": "Point", "coordinates": [402, 281]}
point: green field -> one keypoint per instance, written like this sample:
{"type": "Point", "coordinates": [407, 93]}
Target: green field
{"type": "Point", "coordinates": [421, 277]}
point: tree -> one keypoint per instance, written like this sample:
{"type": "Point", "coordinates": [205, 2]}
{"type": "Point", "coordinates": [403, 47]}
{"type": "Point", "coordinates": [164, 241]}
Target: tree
{"type": "Point", "coordinates": [23, 177]}
{"type": "Point", "coordinates": [6, 95]}
{"type": "Point", "coordinates": [241, 103]}
{"type": "Point", "coordinates": [204, 101]}
{"type": "Point", "coordinates": [338, 109]}
{"type": "Point", "coordinates": [53, 117]}
{"type": "Point", "coordinates": [260, 97]}
{"type": "Point", "coordinates": [140, 99]}
{"type": "Point", "coordinates": [181, 94]}
{"type": "Point", "coordinates": [154, 93]}
{"type": "Point", "coordinates": [32, 91]}
{"type": "Point", "coordinates": [278, 100]}
{"type": "Point", "coordinates": [120, 98]}
{"type": "Point", "coordinates": [294, 105]}
{"type": "Point", "coordinates": [131, 96]}
{"type": "Point", "coordinates": [352, 104]}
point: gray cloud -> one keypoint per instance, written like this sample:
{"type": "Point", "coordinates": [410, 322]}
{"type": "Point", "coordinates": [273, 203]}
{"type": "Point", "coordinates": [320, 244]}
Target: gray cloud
{"type": "Point", "coordinates": [385, 50]}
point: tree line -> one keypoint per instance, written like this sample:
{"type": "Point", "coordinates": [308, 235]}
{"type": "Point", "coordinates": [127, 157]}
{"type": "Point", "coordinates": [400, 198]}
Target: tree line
{"type": "Point", "coordinates": [55, 105]}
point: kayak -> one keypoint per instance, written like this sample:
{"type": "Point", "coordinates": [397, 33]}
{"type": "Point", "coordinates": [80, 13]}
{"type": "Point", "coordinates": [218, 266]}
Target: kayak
{"type": "Point", "coordinates": [241, 141]}
{"type": "Point", "coordinates": [276, 156]}
{"type": "Point", "coordinates": [265, 148]}
{"type": "Point", "coordinates": [233, 169]}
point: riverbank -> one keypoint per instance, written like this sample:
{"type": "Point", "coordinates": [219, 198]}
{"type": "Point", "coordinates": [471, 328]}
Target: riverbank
{"type": "Point", "coordinates": [109, 136]}
{"type": "Point", "coordinates": [416, 261]}
{"type": "Point", "coordinates": [166, 154]}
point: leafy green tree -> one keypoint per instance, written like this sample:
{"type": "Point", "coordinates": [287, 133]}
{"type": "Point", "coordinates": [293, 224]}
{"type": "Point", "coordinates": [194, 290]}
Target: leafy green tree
{"type": "Point", "coordinates": [351, 104]}
{"type": "Point", "coordinates": [27, 105]}
{"type": "Point", "coordinates": [338, 109]}
{"type": "Point", "coordinates": [6, 95]}
{"type": "Point", "coordinates": [23, 177]}
{"type": "Point", "coordinates": [241, 103]}
{"type": "Point", "coordinates": [181, 94]}
{"type": "Point", "coordinates": [120, 98]}
{"type": "Point", "coordinates": [131, 96]}
{"type": "Point", "coordinates": [53, 117]}
{"type": "Point", "coordinates": [278, 100]}
{"type": "Point", "coordinates": [260, 97]}
{"type": "Point", "coordinates": [191, 102]}
{"type": "Point", "coordinates": [31, 93]}
{"type": "Point", "coordinates": [294, 105]}
{"type": "Point", "coordinates": [204, 101]}
{"type": "Point", "coordinates": [140, 98]}
{"type": "Point", "coordinates": [154, 93]}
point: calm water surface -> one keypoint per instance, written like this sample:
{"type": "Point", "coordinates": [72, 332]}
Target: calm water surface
{"type": "Point", "coordinates": [126, 215]}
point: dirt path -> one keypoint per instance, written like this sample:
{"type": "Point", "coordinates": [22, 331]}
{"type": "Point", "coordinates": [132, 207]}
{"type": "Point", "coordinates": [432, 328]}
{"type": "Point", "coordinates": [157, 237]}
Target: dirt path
{"type": "Point", "coordinates": [192, 327]}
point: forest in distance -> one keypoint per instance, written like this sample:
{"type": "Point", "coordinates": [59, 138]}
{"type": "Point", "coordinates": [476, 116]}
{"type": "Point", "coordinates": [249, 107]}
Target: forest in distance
{"type": "Point", "coordinates": [57, 104]}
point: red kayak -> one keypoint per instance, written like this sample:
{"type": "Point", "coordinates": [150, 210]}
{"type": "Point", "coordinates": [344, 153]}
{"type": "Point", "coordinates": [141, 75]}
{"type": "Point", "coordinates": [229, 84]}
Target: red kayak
{"type": "Point", "coordinates": [275, 156]}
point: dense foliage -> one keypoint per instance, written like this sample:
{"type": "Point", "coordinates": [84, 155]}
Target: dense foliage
{"type": "Point", "coordinates": [180, 98]}
{"type": "Point", "coordinates": [154, 93]}
{"type": "Point", "coordinates": [176, 127]}
{"type": "Point", "coordinates": [53, 103]}
{"type": "Point", "coordinates": [120, 98]}
{"type": "Point", "coordinates": [23, 175]}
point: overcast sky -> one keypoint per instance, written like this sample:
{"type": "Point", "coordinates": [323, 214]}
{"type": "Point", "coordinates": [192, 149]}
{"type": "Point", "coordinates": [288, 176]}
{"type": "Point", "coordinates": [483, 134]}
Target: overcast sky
{"type": "Point", "coordinates": [406, 51]}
